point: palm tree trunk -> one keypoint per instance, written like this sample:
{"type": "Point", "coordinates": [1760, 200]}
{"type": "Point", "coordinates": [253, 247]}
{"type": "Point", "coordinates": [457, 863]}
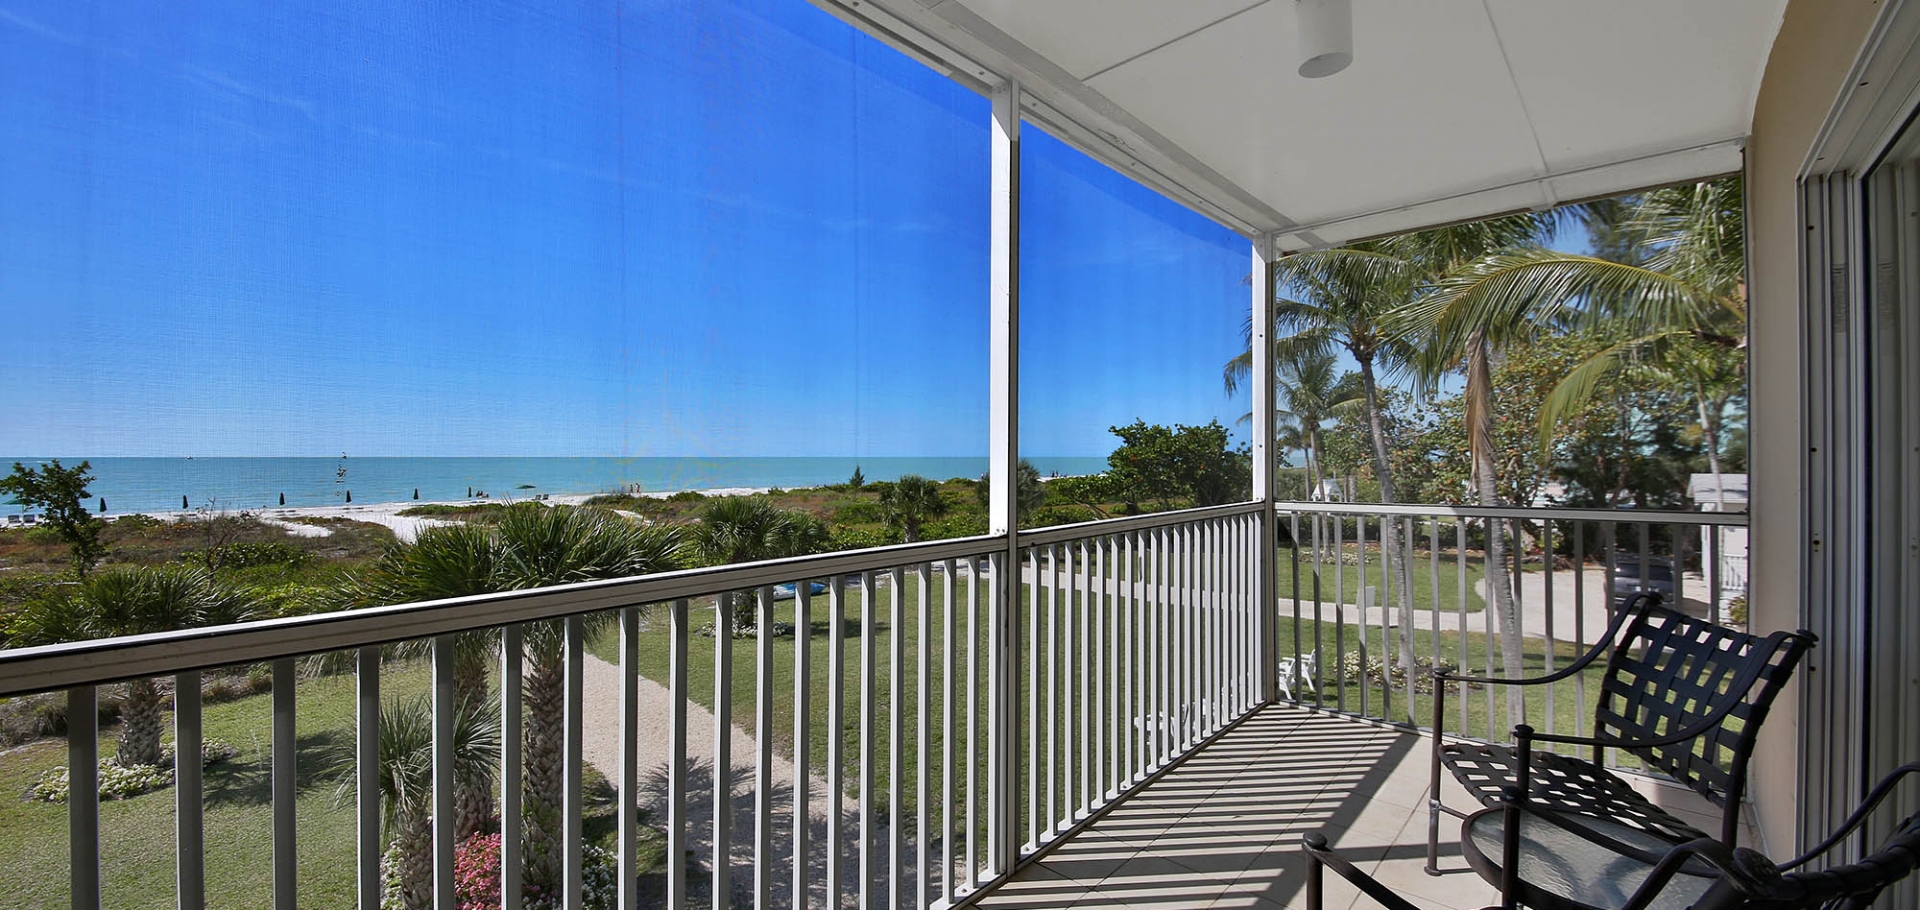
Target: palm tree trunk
{"type": "Point", "coordinates": [1480, 444]}
{"type": "Point", "coordinates": [1398, 565]}
{"type": "Point", "coordinates": [545, 744]}
{"type": "Point", "coordinates": [140, 725]}
{"type": "Point", "coordinates": [413, 840]}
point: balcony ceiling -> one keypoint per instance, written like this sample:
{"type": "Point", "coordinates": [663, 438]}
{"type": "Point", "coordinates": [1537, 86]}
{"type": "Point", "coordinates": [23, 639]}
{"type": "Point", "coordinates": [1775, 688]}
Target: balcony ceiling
{"type": "Point", "coordinates": [1452, 109]}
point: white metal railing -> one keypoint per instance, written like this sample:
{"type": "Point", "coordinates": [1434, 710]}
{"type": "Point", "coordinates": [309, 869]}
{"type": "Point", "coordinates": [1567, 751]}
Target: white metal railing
{"type": "Point", "coordinates": [1343, 644]}
{"type": "Point", "coordinates": [997, 713]}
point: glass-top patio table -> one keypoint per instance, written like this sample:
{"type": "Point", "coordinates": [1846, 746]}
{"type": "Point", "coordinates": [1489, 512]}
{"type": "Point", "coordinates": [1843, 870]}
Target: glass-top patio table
{"type": "Point", "coordinates": [1579, 862]}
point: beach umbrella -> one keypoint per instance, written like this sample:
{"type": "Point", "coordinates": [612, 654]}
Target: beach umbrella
{"type": "Point", "coordinates": [103, 505]}
{"type": "Point", "coordinates": [283, 499]}
{"type": "Point", "coordinates": [183, 501]}
{"type": "Point", "coordinates": [349, 495]}
{"type": "Point", "coordinates": [416, 492]}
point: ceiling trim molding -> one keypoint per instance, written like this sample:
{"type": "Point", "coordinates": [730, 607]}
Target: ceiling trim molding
{"type": "Point", "coordinates": [1694, 162]}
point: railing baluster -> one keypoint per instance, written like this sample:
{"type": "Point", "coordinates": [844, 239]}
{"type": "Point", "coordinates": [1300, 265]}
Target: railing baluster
{"type": "Point", "coordinates": [367, 846]}
{"type": "Point", "coordinates": [1339, 559]}
{"type": "Point", "coordinates": [1094, 594]}
{"type": "Point", "coordinates": [676, 756]}
{"type": "Point", "coordinates": [573, 855]}
{"type": "Point", "coordinates": [1677, 545]}
{"type": "Point", "coordinates": [1433, 578]}
{"type": "Point", "coordinates": [923, 630]}
{"type": "Point", "coordinates": [1410, 645]}
{"type": "Point", "coordinates": [1039, 803]}
{"type": "Point", "coordinates": [1080, 701]}
{"type": "Point", "coordinates": [721, 862]}
{"type": "Point", "coordinates": [1130, 612]}
{"type": "Point", "coordinates": [1002, 693]}
{"type": "Point", "coordinates": [1365, 607]}
{"type": "Point", "coordinates": [896, 764]}
{"type": "Point", "coordinates": [1177, 638]}
{"type": "Point", "coordinates": [763, 747]}
{"type": "Point", "coordinates": [1487, 568]}
{"type": "Point", "coordinates": [1580, 621]}
{"type": "Point", "coordinates": [948, 588]}
{"type": "Point", "coordinates": [802, 741]}
{"type": "Point", "coordinates": [869, 692]}
{"type": "Point", "coordinates": [1466, 655]}
{"type": "Point", "coordinates": [445, 708]}
{"type": "Point", "coordinates": [1547, 559]}
{"type": "Point", "coordinates": [836, 734]}
{"type": "Point", "coordinates": [1710, 561]}
{"type": "Point", "coordinates": [286, 745]}
{"type": "Point", "coordinates": [1053, 692]}
{"type": "Point", "coordinates": [1110, 610]}
{"type": "Point", "coordinates": [512, 679]}
{"type": "Point", "coordinates": [627, 813]}
{"type": "Point", "coordinates": [83, 797]}
{"type": "Point", "coordinates": [972, 770]}
{"type": "Point", "coordinates": [189, 809]}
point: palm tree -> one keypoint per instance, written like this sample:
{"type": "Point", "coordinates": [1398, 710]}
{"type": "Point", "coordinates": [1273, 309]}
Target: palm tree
{"type": "Point", "coordinates": [1310, 390]}
{"type": "Point", "coordinates": [1690, 284]}
{"type": "Point", "coordinates": [406, 782]}
{"type": "Point", "coordinates": [134, 601]}
{"type": "Point", "coordinates": [1347, 295]}
{"type": "Point", "coordinates": [751, 528]}
{"type": "Point", "coordinates": [910, 501]}
{"type": "Point", "coordinates": [532, 546]}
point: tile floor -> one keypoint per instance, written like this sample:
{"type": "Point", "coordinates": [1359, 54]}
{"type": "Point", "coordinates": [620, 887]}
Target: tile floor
{"type": "Point", "coordinates": [1223, 829]}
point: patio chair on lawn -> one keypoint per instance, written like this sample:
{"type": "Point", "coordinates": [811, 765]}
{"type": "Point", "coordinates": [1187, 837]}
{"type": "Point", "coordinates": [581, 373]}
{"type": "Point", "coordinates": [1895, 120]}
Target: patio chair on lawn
{"type": "Point", "coordinates": [1572, 862]}
{"type": "Point", "coordinates": [1684, 696]}
{"type": "Point", "coordinates": [1303, 670]}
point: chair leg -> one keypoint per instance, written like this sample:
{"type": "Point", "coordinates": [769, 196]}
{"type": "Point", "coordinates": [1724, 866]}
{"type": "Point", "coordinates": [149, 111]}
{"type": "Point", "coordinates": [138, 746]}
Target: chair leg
{"type": "Point", "coordinates": [1433, 779]}
{"type": "Point", "coordinates": [1316, 895]}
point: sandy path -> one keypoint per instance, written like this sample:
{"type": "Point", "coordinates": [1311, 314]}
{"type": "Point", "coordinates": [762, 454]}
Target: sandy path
{"type": "Point", "coordinates": [601, 748]}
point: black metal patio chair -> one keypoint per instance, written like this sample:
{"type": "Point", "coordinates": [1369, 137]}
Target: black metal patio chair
{"type": "Point", "coordinates": [1702, 874]}
{"type": "Point", "coordinates": [1684, 696]}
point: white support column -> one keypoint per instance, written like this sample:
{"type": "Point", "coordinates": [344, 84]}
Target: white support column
{"type": "Point", "coordinates": [1003, 288]}
{"type": "Point", "coordinates": [1264, 454]}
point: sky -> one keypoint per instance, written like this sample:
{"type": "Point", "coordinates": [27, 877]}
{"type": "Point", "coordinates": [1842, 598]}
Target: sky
{"type": "Point", "coordinates": [644, 228]}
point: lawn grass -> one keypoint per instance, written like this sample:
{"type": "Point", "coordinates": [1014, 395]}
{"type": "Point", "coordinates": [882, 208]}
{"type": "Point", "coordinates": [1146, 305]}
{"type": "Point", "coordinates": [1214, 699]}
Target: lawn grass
{"type": "Point", "coordinates": [1434, 580]}
{"type": "Point", "coordinates": [137, 834]}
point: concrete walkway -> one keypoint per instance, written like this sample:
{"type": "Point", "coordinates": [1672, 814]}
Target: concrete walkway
{"type": "Point", "coordinates": [601, 748]}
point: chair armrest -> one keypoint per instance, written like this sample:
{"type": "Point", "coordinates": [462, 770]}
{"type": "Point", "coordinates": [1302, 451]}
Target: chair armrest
{"type": "Point", "coordinates": [1319, 854]}
{"type": "Point", "coordinates": [1859, 816]}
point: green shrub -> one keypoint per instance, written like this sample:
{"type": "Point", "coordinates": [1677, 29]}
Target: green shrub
{"type": "Point", "coordinates": [251, 555]}
{"type": "Point", "coordinates": [687, 496]}
{"type": "Point", "coordinates": [136, 523]}
{"type": "Point", "coordinates": [959, 524]}
{"type": "Point", "coordinates": [1737, 610]}
{"type": "Point", "coordinates": [861, 538]}
{"type": "Point", "coordinates": [860, 512]}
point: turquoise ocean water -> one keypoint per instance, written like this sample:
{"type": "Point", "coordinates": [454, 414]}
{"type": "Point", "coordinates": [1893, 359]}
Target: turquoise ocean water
{"type": "Point", "coordinates": [157, 484]}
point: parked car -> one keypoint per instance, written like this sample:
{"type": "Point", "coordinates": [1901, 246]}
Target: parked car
{"type": "Point", "coordinates": [1630, 577]}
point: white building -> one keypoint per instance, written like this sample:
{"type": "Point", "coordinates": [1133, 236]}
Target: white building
{"type": "Point", "coordinates": [1724, 547]}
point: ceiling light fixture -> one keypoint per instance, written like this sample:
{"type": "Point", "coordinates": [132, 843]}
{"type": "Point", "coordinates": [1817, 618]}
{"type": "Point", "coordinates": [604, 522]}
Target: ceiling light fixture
{"type": "Point", "coordinates": [1326, 36]}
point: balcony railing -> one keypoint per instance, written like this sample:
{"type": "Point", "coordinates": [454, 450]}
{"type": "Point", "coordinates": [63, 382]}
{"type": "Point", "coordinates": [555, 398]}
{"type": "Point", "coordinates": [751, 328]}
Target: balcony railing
{"type": "Point", "coordinates": [921, 733]}
{"type": "Point", "coordinates": [978, 729]}
{"type": "Point", "coordinates": [1340, 623]}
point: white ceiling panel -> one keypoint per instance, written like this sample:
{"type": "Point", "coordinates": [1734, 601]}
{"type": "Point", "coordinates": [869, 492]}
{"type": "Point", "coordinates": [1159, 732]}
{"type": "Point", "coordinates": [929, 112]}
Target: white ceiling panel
{"type": "Point", "coordinates": [1623, 89]}
{"type": "Point", "coordinates": [1452, 109]}
{"type": "Point", "coordinates": [1378, 131]}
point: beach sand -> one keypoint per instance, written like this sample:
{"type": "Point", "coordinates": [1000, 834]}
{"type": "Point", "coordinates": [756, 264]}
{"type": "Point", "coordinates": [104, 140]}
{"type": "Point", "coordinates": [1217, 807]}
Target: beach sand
{"type": "Point", "coordinates": [408, 527]}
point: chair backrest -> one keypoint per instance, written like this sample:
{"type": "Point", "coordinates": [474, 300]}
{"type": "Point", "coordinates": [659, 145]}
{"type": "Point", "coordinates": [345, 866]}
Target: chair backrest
{"type": "Point", "coordinates": [1670, 671]}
